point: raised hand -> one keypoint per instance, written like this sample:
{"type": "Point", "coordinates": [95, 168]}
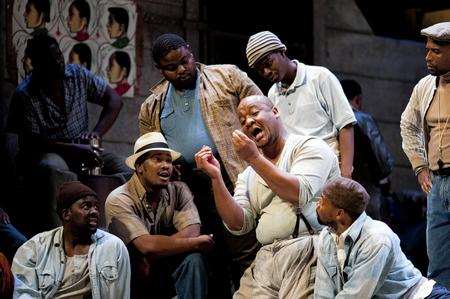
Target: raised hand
{"type": "Point", "coordinates": [206, 161]}
{"type": "Point", "coordinates": [244, 146]}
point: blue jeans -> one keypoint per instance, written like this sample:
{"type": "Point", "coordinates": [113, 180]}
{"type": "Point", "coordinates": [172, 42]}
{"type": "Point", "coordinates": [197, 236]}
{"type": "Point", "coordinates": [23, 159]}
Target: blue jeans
{"type": "Point", "coordinates": [190, 277]}
{"type": "Point", "coordinates": [439, 292]}
{"type": "Point", "coordinates": [10, 240]}
{"type": "Point", "coordinates": [438, 230]}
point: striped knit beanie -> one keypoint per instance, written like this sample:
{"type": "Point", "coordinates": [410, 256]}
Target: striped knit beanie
{"type": "Point", "coordinates": [261, 44]}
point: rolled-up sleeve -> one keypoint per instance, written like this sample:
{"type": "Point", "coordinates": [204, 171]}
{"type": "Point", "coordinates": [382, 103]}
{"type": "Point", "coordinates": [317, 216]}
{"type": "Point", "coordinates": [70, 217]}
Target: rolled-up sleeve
{"type": "Point", "coordinates": [312, 164]}
{"type": "Point", "coordinates": [121, 220]}
{"type": "Point", "coordinates": [241, 196]}
{"type": "Point", "coordinates": [338, 105]}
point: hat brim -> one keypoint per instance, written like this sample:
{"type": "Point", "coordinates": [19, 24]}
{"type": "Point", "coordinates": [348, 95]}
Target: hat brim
{"type": "Point", "coordinates": [131, 160]}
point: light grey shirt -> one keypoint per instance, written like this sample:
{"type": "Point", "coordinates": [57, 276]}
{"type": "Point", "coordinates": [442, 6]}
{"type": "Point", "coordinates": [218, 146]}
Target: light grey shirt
{"type": "Point", "coordinates": [39, 266]}
{"type": "Point", "coordinates": [313, 105]}
{"type": "Point", "coordinates": [313, 163]}
{"type": "Point", "coordinates": [374, 266]}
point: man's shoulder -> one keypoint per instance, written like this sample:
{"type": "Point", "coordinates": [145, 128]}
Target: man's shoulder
{"type": "Point", "coordinates": [219, 67]}
{"type": "Point", "coordinates": [377, 232]}
{"type": "Point", "coordinates": [428, 81]}
{"type": "Point", "coordinates": [300, 141]}
{"type": "Point", "coordinates": [44, 237]}
{"type": "Point", "coordinates": [120, 195]}
{"type": "Point", "coordinates": [105, 237]}
{"type": "Point", "coordinates": [316, 71]}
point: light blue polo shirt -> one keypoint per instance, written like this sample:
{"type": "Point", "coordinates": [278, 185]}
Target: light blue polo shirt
{"type": "Point", "coordinates": [182, 123]}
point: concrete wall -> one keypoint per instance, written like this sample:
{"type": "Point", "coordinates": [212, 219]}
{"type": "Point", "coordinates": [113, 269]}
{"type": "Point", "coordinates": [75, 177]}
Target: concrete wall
{"type": "Point", "coordinates": [386, 68]}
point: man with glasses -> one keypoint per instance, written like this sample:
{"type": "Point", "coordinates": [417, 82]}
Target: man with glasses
{"type": "Point", "coordinates": [195, 105]}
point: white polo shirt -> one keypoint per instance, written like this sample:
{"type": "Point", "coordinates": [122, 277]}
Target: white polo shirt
{"type": "Point", "coordinates": [313, 105]}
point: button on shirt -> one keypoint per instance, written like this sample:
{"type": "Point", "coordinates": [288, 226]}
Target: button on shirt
{"type": "Point", "coordinates": [313, 105]}
{"type": "Point", "coordinates": [182, 123]}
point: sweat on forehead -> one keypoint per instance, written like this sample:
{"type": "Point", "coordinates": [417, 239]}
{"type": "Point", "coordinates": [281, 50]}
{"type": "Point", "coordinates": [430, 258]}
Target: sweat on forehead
{"type": "Point", "coordinates": [255, 100]}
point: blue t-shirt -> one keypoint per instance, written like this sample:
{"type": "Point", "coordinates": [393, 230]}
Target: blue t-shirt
{"type": "Point", "coordinates": [182, 123]}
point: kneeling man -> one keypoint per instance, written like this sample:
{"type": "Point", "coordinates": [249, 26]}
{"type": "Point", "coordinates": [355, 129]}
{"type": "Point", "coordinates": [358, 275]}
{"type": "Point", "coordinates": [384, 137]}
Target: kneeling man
{"type": "Point", "coordinates": [359, 257]}
{"type": "Point", "coordinates": [275, 194]}
{"type": "Point", "coordinates": [76, 260]}
{"type": "Point", "coordinates": [159, 222]}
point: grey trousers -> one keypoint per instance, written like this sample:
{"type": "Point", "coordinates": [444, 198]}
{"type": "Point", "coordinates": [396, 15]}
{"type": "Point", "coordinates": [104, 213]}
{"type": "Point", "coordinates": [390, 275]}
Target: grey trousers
{"type": "Point", "coordinates": [283, 269]}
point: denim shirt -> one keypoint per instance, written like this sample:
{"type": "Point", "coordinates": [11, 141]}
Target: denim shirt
{"type": "Point", "coordinates": [375, 265]}
{"type": "Point", "coordinates": [38, 266]}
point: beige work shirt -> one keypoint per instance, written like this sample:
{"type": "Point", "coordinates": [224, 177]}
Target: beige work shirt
{"type": "Point", "coordinates": [129, 214]}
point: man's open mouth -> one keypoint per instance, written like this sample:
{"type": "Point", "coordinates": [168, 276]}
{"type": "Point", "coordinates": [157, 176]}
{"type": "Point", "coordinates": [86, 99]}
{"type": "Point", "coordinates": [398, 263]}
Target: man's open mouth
{"type": "Point", "coordinates": [164, 174]}
{"type": "Point", "coordinates": [256, 133]}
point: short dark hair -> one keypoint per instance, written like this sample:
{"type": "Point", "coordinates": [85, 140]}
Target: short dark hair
{"type": "Point", "coordinates": [351, 88]}
{"type": "Point", "coordinates": [43, 7]}
{"type": "Point", "coordinates": [38, 49]}
{"type": "Point", "coordinates": [84, 53]}
{"type": "Point", "coordinates": [123, 59]}
{"type": "Point", "coordinates": [166, 43]}
{"type": "Point", "coordinates": [120, 15]}
{"type": "Point", "coordinates": [83, 7]}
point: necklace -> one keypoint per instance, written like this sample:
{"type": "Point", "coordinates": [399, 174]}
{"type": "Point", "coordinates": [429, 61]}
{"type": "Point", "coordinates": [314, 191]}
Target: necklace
{"type": "Point", "coordinates": [440, 162]}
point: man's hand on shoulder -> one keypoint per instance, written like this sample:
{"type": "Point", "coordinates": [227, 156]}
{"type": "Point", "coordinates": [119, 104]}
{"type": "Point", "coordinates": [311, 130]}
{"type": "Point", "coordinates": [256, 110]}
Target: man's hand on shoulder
{"type": "Point", "coordinates": [245, 147]}
{"type": "Point", "coordinates": [206, 161]}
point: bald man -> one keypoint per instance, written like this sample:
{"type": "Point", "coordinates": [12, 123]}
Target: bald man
{"type": "Point", "coordinates": [275, 195]}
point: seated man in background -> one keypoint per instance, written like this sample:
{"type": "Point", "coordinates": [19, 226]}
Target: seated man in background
{"type": "Point", "coordinates": [275, 194]}
{"type": "Point", "coordinates": [359, 257]}
{"type": "Point", "coordinates": [75, 260]}
{"type": "Point", "coordinates": [159, 222]}
{"type": "Point", "coordinates": [49, 112]}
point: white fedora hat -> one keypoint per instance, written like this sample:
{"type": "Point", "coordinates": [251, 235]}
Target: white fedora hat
{"type": "Point", "coordinates": [153, 141]}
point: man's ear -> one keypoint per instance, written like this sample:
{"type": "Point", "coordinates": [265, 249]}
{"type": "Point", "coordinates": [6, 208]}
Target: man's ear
{"type": "Point", "coordinates": [66, 214]}
{"type": "Point", "coordinates": [138, 168]}
{"type": "Point", "coordinates": [275, 112]}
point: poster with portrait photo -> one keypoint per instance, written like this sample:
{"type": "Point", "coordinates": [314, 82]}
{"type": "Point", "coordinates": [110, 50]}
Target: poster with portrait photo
{"type": "Point", "coordinates": [83, 29]}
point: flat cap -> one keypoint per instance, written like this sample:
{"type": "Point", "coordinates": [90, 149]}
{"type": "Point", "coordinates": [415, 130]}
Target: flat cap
{"type": "Point", "coordinates": [439, 32]}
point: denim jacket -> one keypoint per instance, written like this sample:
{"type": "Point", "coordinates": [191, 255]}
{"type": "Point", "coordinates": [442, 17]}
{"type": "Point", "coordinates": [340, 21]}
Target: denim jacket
{"type": "Point", "coordinates": [375, 265]}
{"type": "Point", "coordinates": [38, 266]}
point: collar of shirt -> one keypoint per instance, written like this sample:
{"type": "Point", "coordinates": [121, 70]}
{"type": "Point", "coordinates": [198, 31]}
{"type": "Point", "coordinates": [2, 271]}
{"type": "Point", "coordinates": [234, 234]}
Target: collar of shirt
{"type": "Point", "coordinates": [300, 79]}
{"type": "Point", "coordinates": [141, 194]}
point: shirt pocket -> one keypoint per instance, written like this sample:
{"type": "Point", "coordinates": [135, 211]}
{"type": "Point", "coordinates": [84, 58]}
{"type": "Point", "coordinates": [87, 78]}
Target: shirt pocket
{"type": "Point", "coordinates": [109, 272]}
{"type": "Point", "coordinates": [168, 120]}
{"type": "Point", "coordinates": [46, 282]}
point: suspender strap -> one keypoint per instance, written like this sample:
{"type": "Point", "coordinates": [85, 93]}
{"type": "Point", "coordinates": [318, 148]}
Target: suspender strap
{"type": "Point", "coordinates": [297, 224]}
